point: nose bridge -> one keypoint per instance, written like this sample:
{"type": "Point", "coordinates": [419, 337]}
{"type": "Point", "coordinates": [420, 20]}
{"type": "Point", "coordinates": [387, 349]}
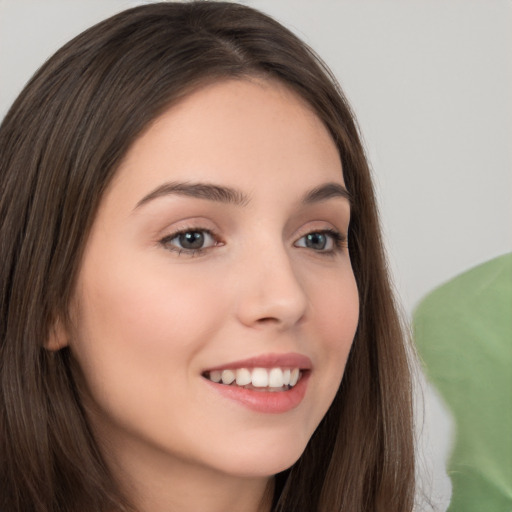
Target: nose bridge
{"type": "Point", "coordinates": [271, 290]}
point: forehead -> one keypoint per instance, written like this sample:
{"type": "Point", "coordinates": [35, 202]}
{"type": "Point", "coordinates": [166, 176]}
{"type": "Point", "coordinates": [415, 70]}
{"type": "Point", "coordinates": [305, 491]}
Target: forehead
{"type": "Point", "coordinates": [247, 132]}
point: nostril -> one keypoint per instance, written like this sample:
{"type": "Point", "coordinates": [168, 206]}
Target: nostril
{"type": "Point", "coordinates": [267, 320]}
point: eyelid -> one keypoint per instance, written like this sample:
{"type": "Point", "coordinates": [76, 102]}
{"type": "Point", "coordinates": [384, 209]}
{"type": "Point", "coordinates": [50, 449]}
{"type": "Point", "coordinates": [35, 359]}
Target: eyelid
{"type": "Point", "coordinates": [167, 239]}
{"type": "Point", "coordinates": [338, 240]}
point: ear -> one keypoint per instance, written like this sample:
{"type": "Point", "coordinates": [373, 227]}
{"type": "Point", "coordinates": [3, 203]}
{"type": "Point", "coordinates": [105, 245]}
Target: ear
{"type": "Point", "coordinates": [58, 336]}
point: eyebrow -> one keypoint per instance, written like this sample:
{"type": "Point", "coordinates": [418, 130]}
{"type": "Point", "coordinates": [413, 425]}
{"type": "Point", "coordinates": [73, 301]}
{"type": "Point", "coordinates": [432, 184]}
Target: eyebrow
{"type": "Point", "coordinates": [198, 190]}
{"type": "Point", "coordinates": [325, 192]}
{"type": "Point", "coordinates": [233, 196]}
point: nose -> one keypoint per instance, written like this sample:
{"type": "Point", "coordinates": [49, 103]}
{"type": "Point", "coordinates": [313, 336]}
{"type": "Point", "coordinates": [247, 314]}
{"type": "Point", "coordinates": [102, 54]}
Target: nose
{"type": "Point", "coordinates": [270, 291]}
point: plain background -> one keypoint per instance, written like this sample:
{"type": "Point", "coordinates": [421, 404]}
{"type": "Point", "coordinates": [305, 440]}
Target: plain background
{"type": "Point", "coordinates": [431, 85]}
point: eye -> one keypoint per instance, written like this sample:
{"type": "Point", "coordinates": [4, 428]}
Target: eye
{"type": "Point", "coordinates": [327, 241]}
{"type": "Point", "coordinates": [191, 241]}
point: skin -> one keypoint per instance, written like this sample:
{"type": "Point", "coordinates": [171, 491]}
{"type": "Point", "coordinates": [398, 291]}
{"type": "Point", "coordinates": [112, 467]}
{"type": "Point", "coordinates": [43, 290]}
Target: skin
{"type": "Point", "coordinates": [149, 319]}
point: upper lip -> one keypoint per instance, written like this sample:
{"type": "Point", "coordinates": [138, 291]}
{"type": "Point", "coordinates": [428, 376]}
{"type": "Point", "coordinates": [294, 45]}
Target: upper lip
{"type": "Point", "coordinates": [288, 360]}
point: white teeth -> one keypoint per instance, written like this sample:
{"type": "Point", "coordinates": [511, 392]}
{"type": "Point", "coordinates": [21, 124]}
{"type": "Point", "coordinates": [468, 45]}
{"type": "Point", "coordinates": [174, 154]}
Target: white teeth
{"type": "Point", "coordinates": [216, 376]}
{"type": "Point", "coordinates": [260, 378]}
{"type": "Point", "coordinates": [243, 377]}
{"type": "Point", "coordinates": [274, 378]}
{"type": "Point", "coordinates": [228, 376]}
{"type": "Point", "coordinates": [294, 376]}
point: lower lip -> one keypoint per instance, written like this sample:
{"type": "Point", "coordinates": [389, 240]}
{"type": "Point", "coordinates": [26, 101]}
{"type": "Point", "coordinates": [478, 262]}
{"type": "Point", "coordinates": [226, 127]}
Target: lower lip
{"type": "Point", "coordinates": [270, 402]}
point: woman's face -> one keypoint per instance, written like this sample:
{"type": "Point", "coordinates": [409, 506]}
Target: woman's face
{"type": "Point", "coordinates": [218, 252]}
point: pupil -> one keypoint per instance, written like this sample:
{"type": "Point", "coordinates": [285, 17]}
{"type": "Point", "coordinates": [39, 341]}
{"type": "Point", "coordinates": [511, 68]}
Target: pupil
{"type": "Point", "coordinates": [316, 241]}
{"type": "Point", "coordinates": [192, 240]}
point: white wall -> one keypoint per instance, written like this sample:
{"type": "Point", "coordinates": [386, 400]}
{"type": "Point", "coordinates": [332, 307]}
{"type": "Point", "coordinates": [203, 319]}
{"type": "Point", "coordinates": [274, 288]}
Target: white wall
{"type": "Point", "coordinates": [430, 82]}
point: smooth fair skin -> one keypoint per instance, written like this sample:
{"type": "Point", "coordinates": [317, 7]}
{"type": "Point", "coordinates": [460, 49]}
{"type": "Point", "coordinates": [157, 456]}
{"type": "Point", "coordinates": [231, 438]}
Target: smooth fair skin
{"type": "Point", "coordinates": [247, 168]}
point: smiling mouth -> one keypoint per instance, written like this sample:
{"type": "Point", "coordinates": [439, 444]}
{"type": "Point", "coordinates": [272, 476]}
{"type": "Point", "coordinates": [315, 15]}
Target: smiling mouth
{"type": "Point", "coordinates": [257, 379]}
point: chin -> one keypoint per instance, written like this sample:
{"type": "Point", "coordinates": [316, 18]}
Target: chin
{"type": "Point", "coordinates": [258, 461]}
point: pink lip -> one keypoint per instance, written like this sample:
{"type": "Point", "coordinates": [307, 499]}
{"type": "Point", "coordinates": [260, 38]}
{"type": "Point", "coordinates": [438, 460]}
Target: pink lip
{"type": "Point", "coordinates": [289, 360]}
{"type": "Point", "coordinates": [270, 402]}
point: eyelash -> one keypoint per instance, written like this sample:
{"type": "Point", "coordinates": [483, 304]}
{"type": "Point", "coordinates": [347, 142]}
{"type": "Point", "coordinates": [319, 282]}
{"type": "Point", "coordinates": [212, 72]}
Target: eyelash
{"type": "Point", "coordinates": [338, 239]}
{"type": "Point", "coordinates": [166, 241]}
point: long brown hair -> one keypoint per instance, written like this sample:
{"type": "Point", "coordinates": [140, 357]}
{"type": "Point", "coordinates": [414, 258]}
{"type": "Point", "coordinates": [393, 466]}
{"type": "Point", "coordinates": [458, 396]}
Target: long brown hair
{"type": "Point", "coordinates": [60, 146]}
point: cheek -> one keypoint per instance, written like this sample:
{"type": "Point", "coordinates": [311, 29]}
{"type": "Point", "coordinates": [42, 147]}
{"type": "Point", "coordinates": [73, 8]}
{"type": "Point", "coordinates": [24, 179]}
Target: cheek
{"type": "Point", "coordinates": [336, 310]}
{"type": "Point", "coordinates": [335, 304]}
{"type": "Point", "coordinates": [146, 304]}
{"type": "Point", "coordinates": [137, 329]}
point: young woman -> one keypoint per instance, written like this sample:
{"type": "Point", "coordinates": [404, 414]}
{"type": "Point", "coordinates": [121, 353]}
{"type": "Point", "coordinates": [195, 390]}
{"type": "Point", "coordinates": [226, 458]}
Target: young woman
{"type": "Point", "coordinates": [195, 308]}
